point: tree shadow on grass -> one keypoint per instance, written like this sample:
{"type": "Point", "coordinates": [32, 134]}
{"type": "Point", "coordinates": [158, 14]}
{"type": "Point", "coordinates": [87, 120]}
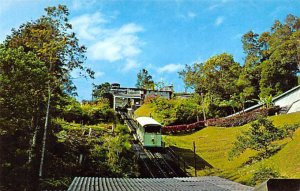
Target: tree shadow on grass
{"type": "Point", "coordinates": [188, 156]}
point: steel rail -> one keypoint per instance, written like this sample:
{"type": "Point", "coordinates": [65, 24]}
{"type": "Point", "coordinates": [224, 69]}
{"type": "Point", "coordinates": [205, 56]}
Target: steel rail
{"type": "Point", "coordinates": [154, 160]}
{"type": "Point", "coordinates": [167, 164]}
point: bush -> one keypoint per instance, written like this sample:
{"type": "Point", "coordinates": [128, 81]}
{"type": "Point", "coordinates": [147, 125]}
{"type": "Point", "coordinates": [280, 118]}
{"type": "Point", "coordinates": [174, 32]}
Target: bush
{"type": "Point", "coordinates": [262, 174]}
{"type": "Point", "coordinates": [97, 112]}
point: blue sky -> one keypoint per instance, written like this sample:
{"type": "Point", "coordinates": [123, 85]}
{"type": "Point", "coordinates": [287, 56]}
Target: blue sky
{"type": "Point", "coordinates": [125, 36]}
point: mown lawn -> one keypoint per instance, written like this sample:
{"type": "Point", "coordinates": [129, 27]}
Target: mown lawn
{"type": "Point", "coordinates": [214, 143]}
{"type": "Point", "coordinates": [144, 110]}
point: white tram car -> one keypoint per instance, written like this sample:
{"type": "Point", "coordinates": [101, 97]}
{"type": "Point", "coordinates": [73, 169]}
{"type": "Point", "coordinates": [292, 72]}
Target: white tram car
{"type": "Point", "coordinates": [149, 132]}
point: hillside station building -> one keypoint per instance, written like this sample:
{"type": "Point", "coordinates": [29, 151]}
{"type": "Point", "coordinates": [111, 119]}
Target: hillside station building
{"type": "Point", "coordinates": [134, 97]}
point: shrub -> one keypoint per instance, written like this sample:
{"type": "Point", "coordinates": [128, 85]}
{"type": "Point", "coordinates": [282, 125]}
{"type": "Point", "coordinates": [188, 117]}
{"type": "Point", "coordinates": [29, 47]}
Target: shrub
{"type": "Point", "coordinates": [262, 174]}
{"type": "Point", "coordinates": [243, 118]}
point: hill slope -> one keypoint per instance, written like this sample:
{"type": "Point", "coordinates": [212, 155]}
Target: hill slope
{"type": "Point", "coordinates": [214, 143]}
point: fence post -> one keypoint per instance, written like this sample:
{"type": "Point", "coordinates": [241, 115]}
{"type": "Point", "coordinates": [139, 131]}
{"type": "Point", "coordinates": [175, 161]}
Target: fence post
{"type": "Point", "coordinates": [195, 158]}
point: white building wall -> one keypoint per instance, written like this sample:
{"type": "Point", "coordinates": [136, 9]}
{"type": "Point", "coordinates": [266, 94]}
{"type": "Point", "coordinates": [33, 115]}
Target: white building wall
{"type": "Point", "coordinates": [295, 107]}
{"type": "Point", "coordinates": [289, 100]}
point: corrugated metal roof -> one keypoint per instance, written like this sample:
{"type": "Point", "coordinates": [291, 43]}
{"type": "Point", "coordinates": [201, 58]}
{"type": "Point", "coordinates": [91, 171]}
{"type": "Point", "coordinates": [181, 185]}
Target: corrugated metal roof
{"type": "Point", "coordinates": [147, 121]}
{"type": "Point", "coordinates": [206, 183]}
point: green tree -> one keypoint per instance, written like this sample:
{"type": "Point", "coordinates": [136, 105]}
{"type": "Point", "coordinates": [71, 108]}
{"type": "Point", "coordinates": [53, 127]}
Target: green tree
{"type": "Point", "coordinates": [232, 102]}
{"type": "Point", "coordinates": [267, 101]}
{"type": "Point", "coordinates": [103, 91]}
{"type": "Point", "coordinates": [100, 90]}
{"type": "Point", "coordinates": [187, 111]}
{"type": "Point", "coordinates": [51, 40]}
{"type": "Point", "coordinates": [216, 78]}
{"type": "Point", "coordinates": [72, 110]}
{"type": "Point", "coordinates": [279, 71]}
{"type": "Point", "coordinates": [248, 82]}
{"type": "Point", "coordinates": [144, 80]}
{"type": "Point", "coordinates": [271, 61]}
{"type": "Point", "coordinates": [23, 80]}
{"type": "Point", "coordinates": [260, 137]}
{"type": "Point", "coordinates": [98, 111]}
{"type": "Point", "coordinates": [160, 85]}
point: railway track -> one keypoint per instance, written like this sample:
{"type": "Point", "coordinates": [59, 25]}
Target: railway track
{"type": "Point", "coordinates": [162, 164]}
{"type": "Point", "coordinates": [156, 163]}
{"type": "Point", "coordinates": [128, 121]}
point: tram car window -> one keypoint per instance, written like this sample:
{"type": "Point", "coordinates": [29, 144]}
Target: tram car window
{"type": "Point", "coordinates": [149, 132]}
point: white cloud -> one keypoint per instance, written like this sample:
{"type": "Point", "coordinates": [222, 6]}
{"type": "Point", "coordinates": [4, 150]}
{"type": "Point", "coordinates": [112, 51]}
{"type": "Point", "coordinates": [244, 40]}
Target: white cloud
{"type": "Point", "coordinates": [109, 44]}
{"type": "Point", "coordinates": [79, 4]}
{"type": "Point", "coordinates": [87, 26]}
{"type": "Point", "coordinates": [218, 4]}
{"type": "Point", "coordinates": [188, 16]}
{"type": "Point", "coordinates": [191, 15]}
{"type": "Point", "coordinates": [170, 68]}
{"type": "Point", "coordinates": [99, 74]}
{"type": "Point", "coordinates": [219, 21]}
{"type": "Point", "coordinates": [130, 64]}
{"type": "Point", "coordinates": [119, 44]}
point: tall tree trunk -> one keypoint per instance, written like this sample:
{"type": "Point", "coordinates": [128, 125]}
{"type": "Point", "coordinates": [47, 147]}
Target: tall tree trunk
{"type": "Point", "coordinates": [33, 143]}
{"type": "Point", "coordinates": [30, 150]}
{"type": "Point", "coordinates": [45, 132]}
{"type": "Point", "coordinates": [34, 125]}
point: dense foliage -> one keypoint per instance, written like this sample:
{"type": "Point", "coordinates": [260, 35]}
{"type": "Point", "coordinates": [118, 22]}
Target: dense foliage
{"type": "Point", "coordinates": [88, 112]}
{"type": "Point", "coordinates": [216, 79]}
{"type": "Point", "coordinates": [21, 102]}
{"type": "Point", "coordinates": [103, 91]}
{"type": "Point", "coordinates": [35, 87]}
{"type": "Point", "coordinates": [271, 67]}
{"type": "Point", "coordinates": [87, 150]}
{"type": "Point", "coordinates": [264, 173]}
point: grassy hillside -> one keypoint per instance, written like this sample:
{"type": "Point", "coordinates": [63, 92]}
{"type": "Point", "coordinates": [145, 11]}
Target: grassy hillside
{"type": "Point", "coordinates": [214, 143]}
{"type": "Point", "coordinates": [144, 110]}
{"type": "Point", "coordinates": [148, 110]}
{"type": "Point", "coordinates": [174, 111]}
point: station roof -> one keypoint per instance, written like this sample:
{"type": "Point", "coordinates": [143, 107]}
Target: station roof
{"type": "Point", "coordinates": [205, 183]}
{"type": "Point", "coordinates": [147, 121]}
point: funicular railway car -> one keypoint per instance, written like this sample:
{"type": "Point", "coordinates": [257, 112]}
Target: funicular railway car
{"type": "Point", "coordinates": [149, 132]}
